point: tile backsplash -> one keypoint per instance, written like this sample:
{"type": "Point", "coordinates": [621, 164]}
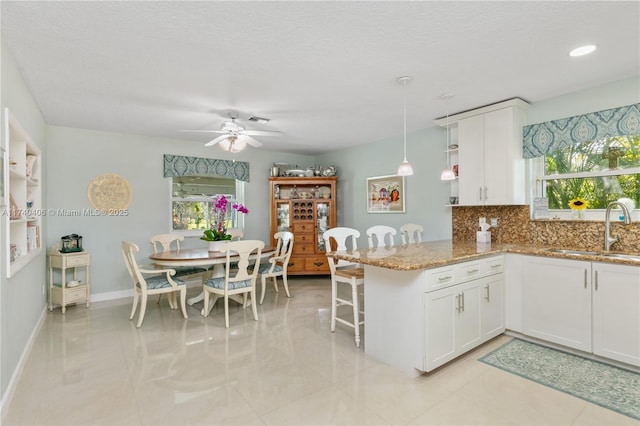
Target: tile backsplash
{"type": "Point", "coordinates": [515, 226]}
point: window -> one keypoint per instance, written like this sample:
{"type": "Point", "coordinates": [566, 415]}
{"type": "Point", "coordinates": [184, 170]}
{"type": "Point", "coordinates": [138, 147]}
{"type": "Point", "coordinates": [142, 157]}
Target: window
{"type": "Point", "coordinates": [191, 206]}
{"type": "Point", "coordinates": [598, 171]}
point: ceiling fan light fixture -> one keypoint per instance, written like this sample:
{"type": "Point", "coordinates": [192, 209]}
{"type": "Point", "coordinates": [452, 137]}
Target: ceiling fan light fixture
{"type": "Point", "coordinates": [405, 168]}
{"type": "Point", "coordinates": [233, 144]}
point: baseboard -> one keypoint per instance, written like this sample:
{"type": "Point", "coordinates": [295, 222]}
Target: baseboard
{"type": "Point", "coordinates": [124, 294]}
{"type": "Point", "coordinates": [17, 372]}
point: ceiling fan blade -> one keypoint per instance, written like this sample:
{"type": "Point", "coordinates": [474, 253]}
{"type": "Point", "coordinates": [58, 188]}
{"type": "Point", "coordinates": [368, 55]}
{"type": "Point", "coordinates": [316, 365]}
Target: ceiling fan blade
{"type": "Point", "coordinates": [216, 140]}
{"type": "Point", "coordinates": [261, 132]}
{"type": "Point", "coordinates": [205, 131]}
{"type": "Point", "coordinates": [251, 141]}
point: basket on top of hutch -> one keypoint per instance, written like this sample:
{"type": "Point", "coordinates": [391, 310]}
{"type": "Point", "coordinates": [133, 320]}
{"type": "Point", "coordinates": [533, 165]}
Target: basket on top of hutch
{"type": "Point", "coordinates": [305, 206]}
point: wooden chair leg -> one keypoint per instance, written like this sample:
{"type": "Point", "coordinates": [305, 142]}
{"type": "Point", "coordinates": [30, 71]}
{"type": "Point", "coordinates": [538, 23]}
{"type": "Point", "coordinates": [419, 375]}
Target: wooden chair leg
{"type": "Point", "coordinates": [183, 301]}
{"type": "Point", "coordinates": [143, 308]}
{"type": "Point", "coordinates": [334, 295]}
{"type": "Point", "coordinates": [226, 310]}
{"type": "Point", "coordinates": [286, 285]}
{"type": "Point", "coordinates": [135, 304]}
{"type": "Point", "coordinates": [253, 304]}
{"type": "Point", "coordinates": [356, 313]}
{"type": "Point", "coordinates": [263, 279]}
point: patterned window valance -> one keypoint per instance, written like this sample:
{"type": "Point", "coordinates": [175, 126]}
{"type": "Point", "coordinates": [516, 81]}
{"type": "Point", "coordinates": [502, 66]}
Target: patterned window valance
{"type": "Point", "coordinates": [543, 138]}
{"type": "Point", "coordinates": [178, 165]}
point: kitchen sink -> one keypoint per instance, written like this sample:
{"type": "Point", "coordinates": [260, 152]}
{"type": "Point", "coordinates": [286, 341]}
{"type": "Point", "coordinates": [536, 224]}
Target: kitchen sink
{"type": "Point", "coordinates": [575, 252]}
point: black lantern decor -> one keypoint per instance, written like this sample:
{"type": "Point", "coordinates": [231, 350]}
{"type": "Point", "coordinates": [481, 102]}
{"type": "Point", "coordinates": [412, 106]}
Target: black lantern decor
{"type": "Point", "coordinates": [71, 243]}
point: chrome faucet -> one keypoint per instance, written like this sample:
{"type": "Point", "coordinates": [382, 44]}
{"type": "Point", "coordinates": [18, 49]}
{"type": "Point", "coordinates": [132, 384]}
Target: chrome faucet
{"type": "Point", "coordinates": [608, 239]}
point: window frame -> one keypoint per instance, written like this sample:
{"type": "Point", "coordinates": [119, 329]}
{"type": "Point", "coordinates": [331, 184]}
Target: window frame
{"type": "Point", "coordinates": [238, 220]}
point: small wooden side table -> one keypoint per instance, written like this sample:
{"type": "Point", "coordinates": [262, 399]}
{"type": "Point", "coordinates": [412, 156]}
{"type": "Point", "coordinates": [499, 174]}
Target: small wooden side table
{"type": "Point", "coordinates": [60, 293]}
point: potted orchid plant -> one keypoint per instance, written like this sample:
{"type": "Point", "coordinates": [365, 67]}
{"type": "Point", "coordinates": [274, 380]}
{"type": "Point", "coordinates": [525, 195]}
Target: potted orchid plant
{"type": "Point", "coordinates": [218, 230]}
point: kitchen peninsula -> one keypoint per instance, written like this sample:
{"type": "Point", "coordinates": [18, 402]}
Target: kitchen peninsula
{"type": "Point", "coordinates": [428, 303]}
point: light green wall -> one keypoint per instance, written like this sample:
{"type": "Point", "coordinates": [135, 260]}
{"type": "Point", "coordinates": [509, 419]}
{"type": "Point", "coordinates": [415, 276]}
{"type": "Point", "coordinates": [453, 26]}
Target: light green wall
{"type": "Point", "coordinates": [426, 194]}
{"type": "Point", "coordinates": [139, 159]}
{"type": "Point", "coordinates": [22, 301]}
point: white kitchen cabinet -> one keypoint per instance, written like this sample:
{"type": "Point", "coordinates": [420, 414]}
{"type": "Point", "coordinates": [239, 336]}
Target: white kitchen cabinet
{"type": "Point", "coordinates": [493, 309]}
{"type": "Point", "coordinates": [417, 320]}
{"type": "Point", "coordinates": [452, 322]}
{"type": "Point", "coordinates": [556, 295]}
{"type": "Point", "coordinates": [491, 169]}
{"type": "Point", "coordinates": [616, 312]}
{"type": "Point", "coordinates": [461, 316]}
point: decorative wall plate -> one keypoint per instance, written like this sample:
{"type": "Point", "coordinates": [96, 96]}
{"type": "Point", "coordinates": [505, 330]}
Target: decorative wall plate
{"type": "Point", "coordinates": [109, 192]}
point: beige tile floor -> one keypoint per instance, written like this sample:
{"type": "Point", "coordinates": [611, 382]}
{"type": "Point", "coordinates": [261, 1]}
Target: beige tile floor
{"type": "Point", "coordinates": [93, 366]}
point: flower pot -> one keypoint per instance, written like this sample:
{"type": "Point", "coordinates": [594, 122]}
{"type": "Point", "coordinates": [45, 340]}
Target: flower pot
{"type": "Point", "coordinates": [216, 245]}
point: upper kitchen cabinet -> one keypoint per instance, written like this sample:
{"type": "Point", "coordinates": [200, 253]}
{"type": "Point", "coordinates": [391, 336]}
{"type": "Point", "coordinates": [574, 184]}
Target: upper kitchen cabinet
{"type": "Point", "coordinates": [491, 169]}
{"type": "Point", "coordinates": [22, 196]}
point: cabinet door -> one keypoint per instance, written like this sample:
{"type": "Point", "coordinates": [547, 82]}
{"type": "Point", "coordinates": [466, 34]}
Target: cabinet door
{"type": "Point", "coordinates": [323, 223]}
{"type": "Point", "coordinates": [440, 325]}
{"type": "Point", "coordinates": [492, 306]}
{"type": "Point", "coordinates": [468, 328]}
{"type": "Point", "coordinates": [616, 312]}
{"type": "Point", "coordinates": [452, 322]}
{"type": "Point", "coordinates": [471, 160]}
{"type": "Point", "coordinates": [556, 296]}
{"type": "Point", "coordinates": [498, 156]}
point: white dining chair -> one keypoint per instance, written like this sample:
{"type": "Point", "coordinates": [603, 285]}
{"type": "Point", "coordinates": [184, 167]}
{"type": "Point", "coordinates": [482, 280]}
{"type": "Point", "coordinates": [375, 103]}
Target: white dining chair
{"type": "Point", "coordinates": [345, 272]}
{"type": "Point", "coordinates": [148, 282]}
{"type": "Point", "coordinates": [237, 280]}
{"type": "Point", "coordinates": [236, 234]}
{"type": "Point", "coordinates": [166, 242]}
{"type": "Point", "coordinates": [380, 236]}
{"type": "Point", "coordinates": [411, 233]}
{"type": "Point", "coordinates": [277, 264]}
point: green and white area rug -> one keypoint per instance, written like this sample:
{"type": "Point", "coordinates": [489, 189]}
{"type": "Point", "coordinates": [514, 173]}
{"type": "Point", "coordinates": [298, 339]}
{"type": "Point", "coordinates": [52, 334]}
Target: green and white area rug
{"type": "Point", "coordinates": [610, 387]}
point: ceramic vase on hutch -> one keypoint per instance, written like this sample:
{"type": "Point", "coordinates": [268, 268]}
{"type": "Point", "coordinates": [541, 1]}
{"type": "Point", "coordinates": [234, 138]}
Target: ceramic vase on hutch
{"type": "Point", "coordinates": [217, 245]}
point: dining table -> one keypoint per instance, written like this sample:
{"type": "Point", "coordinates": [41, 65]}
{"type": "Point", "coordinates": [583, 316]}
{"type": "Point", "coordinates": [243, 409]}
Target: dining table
{"type": "Point", "coordinates": [201, 256]}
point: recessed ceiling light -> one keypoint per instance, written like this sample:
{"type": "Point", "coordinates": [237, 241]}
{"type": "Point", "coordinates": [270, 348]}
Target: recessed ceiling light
{"type": "Point", "coordinates": [583, 50]}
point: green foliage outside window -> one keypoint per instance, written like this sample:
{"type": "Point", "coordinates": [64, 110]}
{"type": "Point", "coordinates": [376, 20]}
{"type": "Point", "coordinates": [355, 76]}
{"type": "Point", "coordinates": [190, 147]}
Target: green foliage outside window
{"type": "Point", "coordinates": [594, 158]}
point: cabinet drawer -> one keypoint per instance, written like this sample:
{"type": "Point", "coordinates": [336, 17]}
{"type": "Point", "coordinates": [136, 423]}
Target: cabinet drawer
{"type": "Point", "coordinates": [468, 271]}
{"type": "Point", "coordinates": [303, 249]}
{"type": "Point", "coordinates": [77, 294]}
{"type": "Point", "coordinates": [308, 227]}
{"type": "Point", "coordinates": [296, 264]}
{"type": "Point", "coordinates": [301, 238]}
{"type": "Point", "coordinates": [440, 278]}
{"type": "Point", "coordinates": [79, 260]}
{"type": "Point", "coordinates": [319, 263]}
{"type": "Point", "coordinates": [494, 265]}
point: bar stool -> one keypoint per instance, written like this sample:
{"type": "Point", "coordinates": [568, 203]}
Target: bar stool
{"type": "Point", "coordinates": [345, 272]}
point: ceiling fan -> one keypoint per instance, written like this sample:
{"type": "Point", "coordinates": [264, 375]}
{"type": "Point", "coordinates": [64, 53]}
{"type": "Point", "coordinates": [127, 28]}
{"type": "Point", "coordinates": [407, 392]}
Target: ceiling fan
{"type": "Point", "coordinates": [234, 137]}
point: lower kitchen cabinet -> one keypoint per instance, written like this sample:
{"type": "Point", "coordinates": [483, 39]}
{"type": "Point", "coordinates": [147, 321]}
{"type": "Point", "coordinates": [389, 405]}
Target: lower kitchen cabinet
{"type": "Point", "coordinates": [616, 312]}
{"type": "Point", "coordinates": [493, 308]}
{"type": "Point", "coordinates": [460, 317]}
{"type": "Point", "coordinates": [590, 306]}
{"type": "Point", "coordinates": [556, 296]}
{"type": "Point", "coordinates": [452, 322]}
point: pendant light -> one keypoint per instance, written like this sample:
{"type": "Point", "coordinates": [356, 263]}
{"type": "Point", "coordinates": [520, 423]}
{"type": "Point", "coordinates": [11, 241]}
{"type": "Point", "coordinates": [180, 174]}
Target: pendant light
{"type": "Point", "coordinates": [447, 172]}
{"type": "Point", "coordinates": [405, 168]}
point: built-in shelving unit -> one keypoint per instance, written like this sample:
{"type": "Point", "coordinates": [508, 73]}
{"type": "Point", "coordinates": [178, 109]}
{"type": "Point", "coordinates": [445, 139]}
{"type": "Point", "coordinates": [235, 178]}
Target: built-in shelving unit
{"type": "Point", "coordinates": [22, 200]}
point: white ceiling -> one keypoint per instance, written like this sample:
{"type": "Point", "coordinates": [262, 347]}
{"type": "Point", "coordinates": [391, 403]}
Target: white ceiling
{"type": "Point", "coordinates": [323, 72]}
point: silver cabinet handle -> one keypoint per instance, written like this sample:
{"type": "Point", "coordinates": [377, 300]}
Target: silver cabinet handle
{"type": "Point", "coordinates": [596, 280]}
{"type": "Point", "coordinates": [472, 271]}
{"type": "Point", "coordinates": [458, 306]}
{"type": "Point", "coordinates": [462, 301]}
{"type": "Point", "coordinates": [487, 298]}
{"type": "Point", "coordinates": [497, 265]}
{"type": "Point", "coordinates": [585, 278]}
{"type": "Point", "coordinates": [448, 277]}
{"type": "Point", "coordinates": [480, 193]}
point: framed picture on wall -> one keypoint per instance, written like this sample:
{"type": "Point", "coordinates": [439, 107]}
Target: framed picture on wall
{"type": "Point", "coordinates": [385, 194]}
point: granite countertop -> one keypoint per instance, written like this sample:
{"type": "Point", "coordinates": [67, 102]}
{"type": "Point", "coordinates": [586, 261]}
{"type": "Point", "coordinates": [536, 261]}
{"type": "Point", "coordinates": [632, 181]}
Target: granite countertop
{"type": "Point", "coordinates": [407, 257]}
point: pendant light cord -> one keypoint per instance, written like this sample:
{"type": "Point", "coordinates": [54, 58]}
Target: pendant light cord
{"type": "Point", "coordinates": [405, 124]}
